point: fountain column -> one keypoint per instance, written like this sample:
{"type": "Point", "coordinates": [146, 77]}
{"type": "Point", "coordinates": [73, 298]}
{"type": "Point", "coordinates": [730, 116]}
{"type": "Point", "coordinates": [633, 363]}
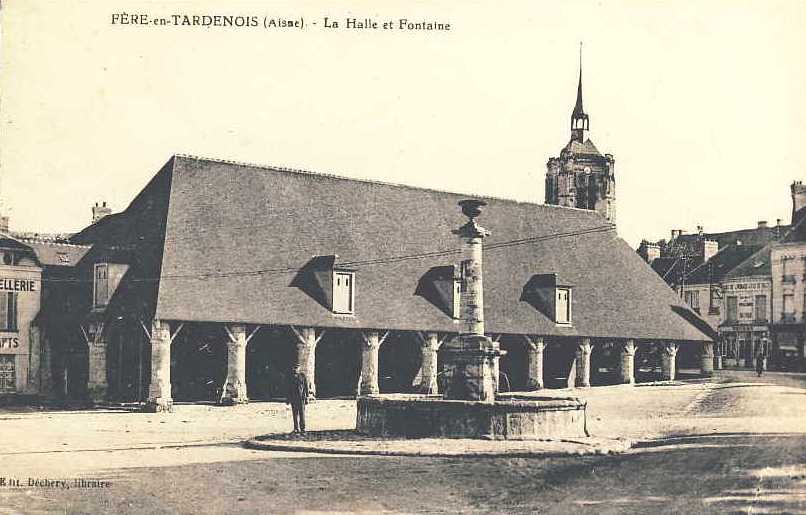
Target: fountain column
{"type": "Point", "coordinates": [472, 358]}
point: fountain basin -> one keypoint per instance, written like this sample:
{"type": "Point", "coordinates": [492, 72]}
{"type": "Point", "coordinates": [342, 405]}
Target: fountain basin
{"type": "Point", "coordinates": [418, 416]}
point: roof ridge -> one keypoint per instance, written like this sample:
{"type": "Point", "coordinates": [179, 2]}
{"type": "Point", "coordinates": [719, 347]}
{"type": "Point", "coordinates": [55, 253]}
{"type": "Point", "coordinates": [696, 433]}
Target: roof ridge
{"type": "Point", "coordinates": [54, 243]}
{"type": "Point", "coordinates": [370, 181]}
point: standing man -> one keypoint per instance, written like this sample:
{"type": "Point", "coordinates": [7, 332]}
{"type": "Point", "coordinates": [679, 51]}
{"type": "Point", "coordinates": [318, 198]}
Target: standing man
{"type": "Point", "coordinates": [297, 397]}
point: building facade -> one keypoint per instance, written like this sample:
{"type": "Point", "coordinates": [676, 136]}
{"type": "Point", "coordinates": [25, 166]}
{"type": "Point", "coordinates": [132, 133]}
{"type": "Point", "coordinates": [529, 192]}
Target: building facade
{"type": "Point", "coordinates": [789, 287]}
{"type": "Point", "coordinates": [219, 276]}
{"type": "Point", "coordinates": [581, 176]}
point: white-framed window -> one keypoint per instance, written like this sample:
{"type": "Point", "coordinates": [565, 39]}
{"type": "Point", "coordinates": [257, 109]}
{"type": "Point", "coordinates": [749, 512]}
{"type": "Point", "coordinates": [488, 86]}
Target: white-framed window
{"type": "Point", "coordinates": [788, 308]}
{"type": "Point", "coordinates": [563, 306]}
{"type": "Point", "coordinates": [101, 285]}
{"type": "Point", "coordinates": [344, 292]}
{"type": "Point", "coordinates": [457, 299]}
{"type": "Point", "coordinates": [8, 312]}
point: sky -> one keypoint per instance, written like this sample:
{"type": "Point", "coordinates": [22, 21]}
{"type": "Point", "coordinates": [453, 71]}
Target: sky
{"type": "Point", "coordinates": [702, 104]}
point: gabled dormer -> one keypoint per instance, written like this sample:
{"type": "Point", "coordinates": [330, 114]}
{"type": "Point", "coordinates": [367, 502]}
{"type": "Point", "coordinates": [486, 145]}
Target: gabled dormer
{"type": "Point", "coordinates": [442, 287]}
{"type": "Point", "coordinates": [331, 285]}
{"type": "Point", "coordinates": [551, 296]}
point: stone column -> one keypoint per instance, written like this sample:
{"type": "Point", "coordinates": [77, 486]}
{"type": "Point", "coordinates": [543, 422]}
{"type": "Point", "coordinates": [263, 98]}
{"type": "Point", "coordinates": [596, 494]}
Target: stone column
{"type": "Point", "coordinates": [159, 389]}
{"type": "Point", "coordinates": [97, 382]}
{"type": "Point", "coordinates": [368, 384]}
{"type": "Point", "coordinates": [627, 362]}
{"type": "Point", "coordinates": [235, 384]}
{"type": "Point", "coordinates": [583, 363]}
{"type": "Point", "coordinates": [428, 374]}
{"type": "Point", "coordinates": [306, 356]}
{"type": "Point", "coordinates": [668, 361]}
{"type": "Point", "coordinates": [534, 359]}
{"type": "Point", "coordinates": [707, 359]}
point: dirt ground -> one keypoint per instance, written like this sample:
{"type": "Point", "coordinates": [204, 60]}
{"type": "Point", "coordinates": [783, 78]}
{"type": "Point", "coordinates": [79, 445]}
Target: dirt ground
{"type": "Point", "coordinates": [736, 444]}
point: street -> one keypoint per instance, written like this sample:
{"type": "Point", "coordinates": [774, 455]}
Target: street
{"type": "Point", "coordinates": [736, 444]}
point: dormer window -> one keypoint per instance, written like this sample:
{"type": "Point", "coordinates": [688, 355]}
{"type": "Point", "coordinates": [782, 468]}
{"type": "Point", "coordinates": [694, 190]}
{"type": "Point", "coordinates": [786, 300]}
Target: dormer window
{"type": "Point", "coordinates": [550, 296]}
{"type": "Point", "coordinates": [563, 306]}
{"type": "Point", "coordinates": [343, 292]}
{"type": "Point", "coordinates": [101, 285]}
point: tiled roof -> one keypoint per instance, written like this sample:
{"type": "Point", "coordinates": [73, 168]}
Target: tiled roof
{"type": "Point", "coordinates": [587, 148]}
{"type": "Point", "coordinates": [237, 236]}
{"type": "Point", "coordinates": [57, 254]}
{"type": "Point", "coordinates": [721, 263]}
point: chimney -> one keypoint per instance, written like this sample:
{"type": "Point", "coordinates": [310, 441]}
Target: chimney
{"type": "Point", "coordinates": [649, 251]}
{"type": "Point", "coordinates": [100, 210]}
{"type": "Point", "coordinates": [3, 223]}
{"type": "Point", "coordinates": [699, 229]}
{"type": "Point", "coordinates": [762, 224]}
{"type": "Point", "coordinates": [707, 248]}
{"type": "Point", "coordinates": [675, 234]}
{"type": "Point", "coordinates": [798, 201]}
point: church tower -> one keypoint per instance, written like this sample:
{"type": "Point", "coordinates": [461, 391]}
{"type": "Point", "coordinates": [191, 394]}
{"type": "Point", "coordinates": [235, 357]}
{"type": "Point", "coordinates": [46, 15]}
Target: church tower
{"type": "Point", "coordinates": [582, 177]}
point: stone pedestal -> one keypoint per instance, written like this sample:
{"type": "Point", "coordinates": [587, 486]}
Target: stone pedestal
{"type": "Point", "coordinates": [707, 359]}
{"type": "Point", "coordinates": [627, 363]}
{"type": "Point", "coordinates": [97, 383]}
{"type": "Point", "coordinates": [669, 361]}
{"type": "Point", "coordinates": [235, 384]}
{"type": "Point", "coordinates": [534, 358]}
{"type": "Point", "coordinates": [428, 374]}
{"type": "Point", "coordinates": [470, 368]}
{"type": "Point", "coordinates": [718, 362]}
{"type": "Point", "coordinates": [583, 363]}
{"type": "Point", "coordinates": [159, 389]}
{"type": "Point", "coordinates": [368, 384]}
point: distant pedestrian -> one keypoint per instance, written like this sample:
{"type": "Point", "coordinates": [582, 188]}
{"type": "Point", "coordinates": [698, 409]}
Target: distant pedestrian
{"type": "Point", "coordinates": [759, 365]}
{"type": "Point", "coordinates": [297, 397]}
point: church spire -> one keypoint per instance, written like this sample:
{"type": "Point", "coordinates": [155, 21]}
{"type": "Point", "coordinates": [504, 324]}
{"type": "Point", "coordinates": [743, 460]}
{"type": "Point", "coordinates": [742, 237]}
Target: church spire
{"type": "Point", "coordinates": [579, 120]}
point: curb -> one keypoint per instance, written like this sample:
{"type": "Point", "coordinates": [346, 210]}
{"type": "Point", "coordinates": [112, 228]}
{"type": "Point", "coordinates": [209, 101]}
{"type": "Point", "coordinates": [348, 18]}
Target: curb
{"type": "Point", "coordinates": [267, 445]}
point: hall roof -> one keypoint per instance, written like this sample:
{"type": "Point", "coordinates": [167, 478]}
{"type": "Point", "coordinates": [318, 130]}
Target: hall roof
{"type": "Point", "coordinates": [237, 237]}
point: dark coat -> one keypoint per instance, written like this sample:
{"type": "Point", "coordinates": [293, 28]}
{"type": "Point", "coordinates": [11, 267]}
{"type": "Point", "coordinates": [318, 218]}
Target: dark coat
{"type": "Point", "coordinates": [297, 389]}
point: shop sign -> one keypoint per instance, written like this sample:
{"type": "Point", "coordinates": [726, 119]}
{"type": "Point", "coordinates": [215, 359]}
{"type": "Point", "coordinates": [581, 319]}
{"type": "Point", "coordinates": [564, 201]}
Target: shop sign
{"type": "Point", "coordinates": [17, 284]}
{"type": "Point", "coordinates": [12, 343]}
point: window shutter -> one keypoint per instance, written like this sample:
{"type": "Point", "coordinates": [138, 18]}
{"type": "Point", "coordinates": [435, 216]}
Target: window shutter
{"type": "Point", "coordinates": [4, 311]}
{"type": "Point", "coordinates": [12, 312]}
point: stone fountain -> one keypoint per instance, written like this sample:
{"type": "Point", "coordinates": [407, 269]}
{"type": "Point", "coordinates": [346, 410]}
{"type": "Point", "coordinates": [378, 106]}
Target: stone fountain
{"type": "Point", "coordinates": [468, 407]}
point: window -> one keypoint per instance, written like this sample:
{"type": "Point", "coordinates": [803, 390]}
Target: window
{"type": "Point", "coordinates": [733, 308]}
{"type": "Point", "coordinates": [8, 312]}
{"type": "Point", "coordinates": [788, 308]}
{"type": "Point", "coordinates": [563, 306]}
{"type": "Point", "coordinates": [343, 292]}
{"type": "Point", "coordinates": [761, 307]}
{"type": "Point", "coordinates": [8, 379]}
{"type": "Point", "coordinates": [457, 299]}
{"type": "Point", "coordinates": [786, 267]}
{"type": "Point", "coordinates": [101, 285]}
{"type": "Point", "coordinates": [692, 298]}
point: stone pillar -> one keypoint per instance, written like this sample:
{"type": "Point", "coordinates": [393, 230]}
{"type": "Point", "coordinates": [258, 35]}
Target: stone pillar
{"type": "Point", "coordinates": [97, 383]}
{"type": "Point", "coordinates": [583, 363]}
{"type": "Point", "coordinates": [159, 389]}
{"type": "Point", "coordinates": [235, 384]}
{"type": "Point", "coordinates": [668, 361]}
{"type": "Point", "coordinates": [627, 363]}
{"type": "Point", "coordinates": [534, 359]}
{"type": "Point", "coordinates": [368, 384]}
{"type": "Point", "coordinates": [707, 359]}
{"type": "Point", "coordinates": [428, 374]}
{"type": "Point", "coordinates": [306, 356]}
